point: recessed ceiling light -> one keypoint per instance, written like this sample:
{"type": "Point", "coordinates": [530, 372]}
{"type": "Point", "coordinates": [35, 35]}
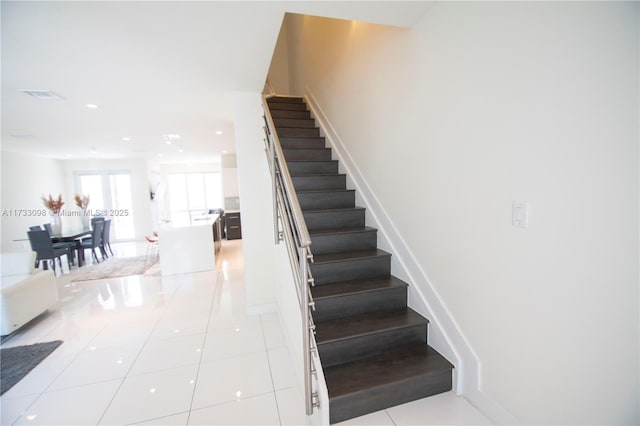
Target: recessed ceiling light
{"type": "Point", "coordinates": [218, 132]}
{"type": "Point", "coordinates": [93, 150]}
{"type": "Point", "coordinates": [92, 106]}
{"type": "Point", "coordinates": [224, 151]}
{"type": "Point", "coordinates": [126, 139]}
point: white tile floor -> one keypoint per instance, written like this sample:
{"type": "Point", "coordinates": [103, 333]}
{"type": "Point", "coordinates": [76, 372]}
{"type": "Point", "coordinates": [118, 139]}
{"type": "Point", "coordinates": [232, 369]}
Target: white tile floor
{"type": "Point", "coordinates": [174, 350]}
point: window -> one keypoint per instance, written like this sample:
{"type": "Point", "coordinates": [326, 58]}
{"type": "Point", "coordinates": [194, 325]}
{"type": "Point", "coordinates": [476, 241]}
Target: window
{"type": "Point", "coordinates": [193, 194]}
{"type": "Point", "coordinates": [110, 195]}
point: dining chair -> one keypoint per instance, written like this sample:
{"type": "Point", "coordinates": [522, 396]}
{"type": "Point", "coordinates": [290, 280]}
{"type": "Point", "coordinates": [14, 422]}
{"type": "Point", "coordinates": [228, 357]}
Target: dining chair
{"type": "Point", "coordinates": [45, 251]}
{"type": "Point", "coordinates": [106, 237]}
{"type": "Point", "coordinates": [96, 219]}
{"type": "Point", "coordinates": [35, 228]}
{"type": "Point", "coordinates": [96, 239]}
{"type": "Point", "coordinates": [68, 245]}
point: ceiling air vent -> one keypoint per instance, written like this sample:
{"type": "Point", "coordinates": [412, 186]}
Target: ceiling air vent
{"type": "Point", "coordinates": [45, 95]}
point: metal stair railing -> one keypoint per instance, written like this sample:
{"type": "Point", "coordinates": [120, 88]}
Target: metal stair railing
{"type": "Point", "coordinates": [290, 227]}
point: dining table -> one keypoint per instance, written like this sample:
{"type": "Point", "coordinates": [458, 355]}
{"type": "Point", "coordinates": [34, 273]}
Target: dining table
{"type": "Point", "coordinates": [76, 235]}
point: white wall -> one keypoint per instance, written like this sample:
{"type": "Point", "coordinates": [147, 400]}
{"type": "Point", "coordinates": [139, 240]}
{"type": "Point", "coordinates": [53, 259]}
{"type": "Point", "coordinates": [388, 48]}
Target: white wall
{"type": "Point", "coordinates": [25, 179]}
{"type": "Point", "coordinates": [230, 181]}
{"type": "Point", "coordinates": [256, 209]}
{"type": "Point", "coordinates": [481, 104]}
{"type": "Point", "coordinates": [279, 78]}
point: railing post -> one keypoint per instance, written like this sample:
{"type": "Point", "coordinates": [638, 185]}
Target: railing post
{"type": "Point", "coordinates": [274, 194]}
{"type": "Point", "coordinates": [305, 330]}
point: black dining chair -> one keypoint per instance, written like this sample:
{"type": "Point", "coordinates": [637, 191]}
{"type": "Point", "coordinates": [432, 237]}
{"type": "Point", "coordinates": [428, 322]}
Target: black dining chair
{"type": "Point", "coordinates": [106, 237]}
{"type": "Point", "coordinates": [96, 219]}
{"type": "Point", "coordinates": [68, 245]}
{"type": "Point", "coordinates": [96, 239]}
{"type": "Point", "coordinates": [105, 240]}
{"type": "Point", "coordinates": [35, 228]}
{"type": "Point", "coordinates": [42, 245]}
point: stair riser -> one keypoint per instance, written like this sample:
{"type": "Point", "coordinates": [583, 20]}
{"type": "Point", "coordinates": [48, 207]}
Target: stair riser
{"type": "Point", "coordinates": [295, 142]}
{"type": "Point", "coordinates": [332, 272]}
{"type": "Point", "coordinates": [344, 242]}
{"type": "Point", "coordinates": [393, 394]}
{"type": "Point", "coordinates": [289, 106]}
{"type": "Point", "coordinates": [331, 220]}
{"type": "Point", "coordinates": [310, 183]}
{"type": "Point", "coordinates": [355, 348]}
{"type": "Point", "coordinates": [339, 307]}
{"type": "Point", "coordinates": [312, 167]}
{"type": "Point", "coordinates": [284, 113]}
{"type": "Point", "coordinates": [285, 132]}
{"type": "Point", "coordinates": [284, 99]}
{"type": "Point", "coordinates": [307, 154]}
{"type": "Point", "coordinates": [327, 200]}
{"type": "Point", "coordinates": [294, 122]}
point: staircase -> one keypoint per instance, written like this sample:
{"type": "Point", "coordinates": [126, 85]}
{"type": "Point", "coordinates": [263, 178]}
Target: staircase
{"type": "Point", "coordinates": [372, 346]}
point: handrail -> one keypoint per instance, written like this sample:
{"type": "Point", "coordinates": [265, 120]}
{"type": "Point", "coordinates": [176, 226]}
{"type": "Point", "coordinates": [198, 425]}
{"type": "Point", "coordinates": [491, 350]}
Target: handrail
{"type": "Point", "coordinates": [288, 215]}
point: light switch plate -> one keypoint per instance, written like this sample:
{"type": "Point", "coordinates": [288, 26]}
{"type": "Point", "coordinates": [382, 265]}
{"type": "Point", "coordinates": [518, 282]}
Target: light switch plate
{"type": "Point", "coordinates": [520, 214]}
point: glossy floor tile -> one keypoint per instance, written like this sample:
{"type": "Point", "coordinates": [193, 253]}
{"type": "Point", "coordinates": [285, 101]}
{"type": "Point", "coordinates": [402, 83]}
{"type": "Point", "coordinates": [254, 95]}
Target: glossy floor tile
{"type": "Point", "coordinates": [174, 350]}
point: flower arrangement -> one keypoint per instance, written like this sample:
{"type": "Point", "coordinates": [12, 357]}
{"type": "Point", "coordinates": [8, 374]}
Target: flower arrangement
{"type": "Point", "coordinates": [54, 206]}
{"type": "Point", "coordinates": [82, 201]}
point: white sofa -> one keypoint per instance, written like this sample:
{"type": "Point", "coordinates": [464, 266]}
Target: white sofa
{"type": "Point", "coordinates": [26, 291]}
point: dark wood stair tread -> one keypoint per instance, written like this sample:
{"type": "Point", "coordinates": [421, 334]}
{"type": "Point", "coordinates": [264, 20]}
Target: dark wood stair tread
{"type": "Point", "coordinates": [347, 256]}
{"type": "Point", "coordinates": [367, 323]}
{"type": "Point", "coordinates": [340, 231]}
{"type": "Point", "coordinates": [391, 366]}
{"type": "Point", "coordinates": [356, 287]}
{"type": "Point", "coordinates": [317, 175]}
{"type": "Point", "coordinates": [295, 99]}
{"type": "Point", "coordinates": [311, 161]}
{"type": "Point", "coordinates": [311, 191]}
{"type": "Point", "coordinates": [305, 149]}
{"type": "Point", "coordinates": [332, 209]}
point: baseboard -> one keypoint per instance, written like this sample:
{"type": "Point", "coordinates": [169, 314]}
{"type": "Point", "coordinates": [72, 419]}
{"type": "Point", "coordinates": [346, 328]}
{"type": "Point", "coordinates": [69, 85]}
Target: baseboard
{"type": "Point", "coordinates": [444, 333]}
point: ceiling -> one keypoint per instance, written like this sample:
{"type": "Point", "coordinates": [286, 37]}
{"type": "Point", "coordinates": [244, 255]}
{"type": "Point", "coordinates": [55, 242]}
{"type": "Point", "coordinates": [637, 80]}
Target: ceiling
{"type": "Point", "coordinates": [151, 68]}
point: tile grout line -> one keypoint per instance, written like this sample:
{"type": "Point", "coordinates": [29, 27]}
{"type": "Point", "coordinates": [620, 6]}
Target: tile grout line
{"type": "Point", "coordinates": [55, 378]}
{"type": "Point", "coordinates": [273, 385]}
{"type": "Point", "coordinates": [126, 375]}
{"type": "Point", "coordinates": [206, 333]}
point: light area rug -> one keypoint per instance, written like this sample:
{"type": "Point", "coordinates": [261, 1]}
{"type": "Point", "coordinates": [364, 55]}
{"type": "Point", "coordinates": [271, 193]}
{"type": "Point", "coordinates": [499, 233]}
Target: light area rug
{"type": "Point", "coordinates": [18, 361]}
{"type": "Point", "coordinates": [115, 267]}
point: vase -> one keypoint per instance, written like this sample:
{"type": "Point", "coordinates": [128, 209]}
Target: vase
{"type": "Point", "coordinates": [85, 219]}
{"type": "Point", "coordinates": [56, 225]}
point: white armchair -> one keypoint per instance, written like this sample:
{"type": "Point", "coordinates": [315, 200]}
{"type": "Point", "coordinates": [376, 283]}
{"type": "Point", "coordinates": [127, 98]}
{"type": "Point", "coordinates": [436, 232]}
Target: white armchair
{"type": "Point", "coordinates": [26, 292]}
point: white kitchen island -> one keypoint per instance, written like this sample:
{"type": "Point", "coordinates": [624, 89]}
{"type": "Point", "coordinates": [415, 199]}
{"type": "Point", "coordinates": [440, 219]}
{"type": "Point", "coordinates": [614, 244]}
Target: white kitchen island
{"type": "Point", "coordinates": [189, 247]}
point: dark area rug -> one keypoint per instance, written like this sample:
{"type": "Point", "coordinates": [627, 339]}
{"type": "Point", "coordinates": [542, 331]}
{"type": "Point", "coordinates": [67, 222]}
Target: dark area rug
{"type": "Point", "coordinates": [16, 362]}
